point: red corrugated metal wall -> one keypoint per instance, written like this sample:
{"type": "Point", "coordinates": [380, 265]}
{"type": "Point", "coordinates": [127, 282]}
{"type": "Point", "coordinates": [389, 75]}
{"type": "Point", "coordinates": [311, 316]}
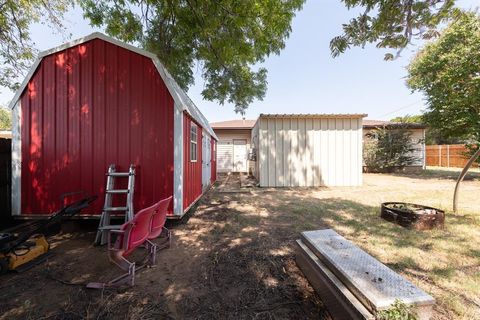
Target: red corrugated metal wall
{"type": "Point", "coordinates": [213, 157]}
{"type": "Point", "coordinates": [192, 171]}
{"type": "Point", "coordinates": [89, 106]}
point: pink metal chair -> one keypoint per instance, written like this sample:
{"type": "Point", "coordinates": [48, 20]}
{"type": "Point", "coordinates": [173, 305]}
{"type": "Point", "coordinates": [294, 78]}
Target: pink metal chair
{"type": "Point", "coordinates": [131, 235]}
{"type": "Point", "coordinates": [158, 227]}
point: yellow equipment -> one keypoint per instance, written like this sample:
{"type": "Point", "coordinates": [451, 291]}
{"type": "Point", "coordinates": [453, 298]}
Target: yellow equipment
{"type": "Point", "coordinates": [37, 246]}
{"type": "Point", "coordinates": [19, 251]}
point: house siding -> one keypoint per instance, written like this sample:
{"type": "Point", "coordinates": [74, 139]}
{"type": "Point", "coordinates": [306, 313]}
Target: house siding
{"type": "Point", "coordinates": [225, 154]}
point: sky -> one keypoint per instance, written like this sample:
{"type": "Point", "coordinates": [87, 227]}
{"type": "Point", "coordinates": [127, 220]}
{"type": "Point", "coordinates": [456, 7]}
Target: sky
{"type": "Point", "coordinates": [304, 78]}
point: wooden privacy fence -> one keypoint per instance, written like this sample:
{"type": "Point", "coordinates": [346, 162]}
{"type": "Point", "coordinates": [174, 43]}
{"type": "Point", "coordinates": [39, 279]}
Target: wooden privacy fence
{"type": "Point", "coordinates": [447, 155]}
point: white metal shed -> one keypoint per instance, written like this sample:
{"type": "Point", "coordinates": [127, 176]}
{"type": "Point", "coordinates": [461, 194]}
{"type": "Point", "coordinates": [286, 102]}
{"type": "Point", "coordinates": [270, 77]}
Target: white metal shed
{"type": "Point", "coordinates": [308, 150]}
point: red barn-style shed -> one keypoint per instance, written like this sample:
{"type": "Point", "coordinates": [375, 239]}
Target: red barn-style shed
{"type": "Point", "coordinates": [97, 101]}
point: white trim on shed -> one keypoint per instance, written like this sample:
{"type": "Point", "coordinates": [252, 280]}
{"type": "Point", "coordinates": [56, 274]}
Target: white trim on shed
{"type": "Point", "coordinates": [178, 153]}
{"type": "Point", "coordinates": [16, 160]}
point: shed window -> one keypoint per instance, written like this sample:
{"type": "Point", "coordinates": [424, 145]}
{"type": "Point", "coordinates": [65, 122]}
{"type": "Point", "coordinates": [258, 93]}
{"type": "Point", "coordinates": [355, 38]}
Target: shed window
{"type": "Point", "coordinates": [193, 142]}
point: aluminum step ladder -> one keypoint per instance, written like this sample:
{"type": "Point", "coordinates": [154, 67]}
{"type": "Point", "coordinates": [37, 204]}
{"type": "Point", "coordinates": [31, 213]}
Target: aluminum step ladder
{"type": "Point", "coordinates": [110, 191]}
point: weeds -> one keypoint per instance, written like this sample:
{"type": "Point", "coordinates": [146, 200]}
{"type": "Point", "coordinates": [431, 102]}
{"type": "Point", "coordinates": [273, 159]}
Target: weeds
{"type": "Point", "coordinates": [398, 311]}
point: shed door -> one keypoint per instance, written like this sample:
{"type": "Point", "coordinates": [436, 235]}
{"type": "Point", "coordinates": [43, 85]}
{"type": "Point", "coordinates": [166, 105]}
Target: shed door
{"type": "Point", "coordinates": [240, 155]}
{"type": "Point", "coordinates": [224, 156]}
{"type": "Point", "coordinates": [206, 160]}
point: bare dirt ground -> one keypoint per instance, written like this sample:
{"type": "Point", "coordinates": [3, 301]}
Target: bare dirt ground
{"type": "Point", "coordinates": [233, 257]}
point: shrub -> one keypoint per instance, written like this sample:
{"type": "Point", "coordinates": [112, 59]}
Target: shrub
{"type": "Point", "coordinates": [5, 119]}
{"type": "Point", "coordinates": [398, 311]}
{"type": "Point", "coordinates": [472, 147]}
{"type": "Point", "coordinates": [388, 149]}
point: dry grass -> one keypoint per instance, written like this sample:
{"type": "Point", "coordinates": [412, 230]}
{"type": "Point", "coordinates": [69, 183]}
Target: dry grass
{"type": "Point", "coordinates": [233, 257]}
{"type": "Point", "coordinates": [445, 263]}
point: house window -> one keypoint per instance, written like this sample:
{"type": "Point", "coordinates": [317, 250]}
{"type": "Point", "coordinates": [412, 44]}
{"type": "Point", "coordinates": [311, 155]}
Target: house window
{"type": "Point", "coordinates": [193, 142]}
{"type": "Point", "coordinates": [214, 151]}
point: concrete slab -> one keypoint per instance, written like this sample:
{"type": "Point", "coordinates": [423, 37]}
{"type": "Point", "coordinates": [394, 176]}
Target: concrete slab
{"type": "Point", "coordinates": [373, 283]}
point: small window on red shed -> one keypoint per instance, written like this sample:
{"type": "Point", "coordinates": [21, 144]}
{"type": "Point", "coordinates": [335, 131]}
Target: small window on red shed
{"type": "Point", "coordinates": [193, 142]}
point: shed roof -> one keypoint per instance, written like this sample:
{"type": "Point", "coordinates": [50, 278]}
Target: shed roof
{"type": "Point", "coordinates": [371, 124]}
{"type": "Point", "coordinates": [314, 115]}
{"type": "Point", "coordinates": [179, 96]}
{"type": "Point", "coordinates": [233, 124]}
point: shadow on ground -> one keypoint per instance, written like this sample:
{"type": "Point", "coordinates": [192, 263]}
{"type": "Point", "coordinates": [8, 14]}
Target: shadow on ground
{"type": "Point", "coordinates": [446, 174]}
{"type": "Point", "coordinates": [232, 258]}
{"type": "Point", "coordinates": [225, 263]}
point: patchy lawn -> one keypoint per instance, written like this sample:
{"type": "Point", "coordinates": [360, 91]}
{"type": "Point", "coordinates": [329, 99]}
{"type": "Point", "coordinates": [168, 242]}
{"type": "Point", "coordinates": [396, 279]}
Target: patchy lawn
{"type": "Point", "coordinates": [233, 258]}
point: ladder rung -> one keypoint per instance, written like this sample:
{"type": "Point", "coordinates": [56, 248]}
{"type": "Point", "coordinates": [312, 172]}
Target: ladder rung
{"type": "Point", "coordinates": [115, 209]}
{"type": "Point", "coordinates": [118, 212]}
{"type": "Point", "coordinates": [118, 174]}
{"type": "Point", "coordinates": [110, 227]}
{"type": "Point", "coordinates": [118, 191]}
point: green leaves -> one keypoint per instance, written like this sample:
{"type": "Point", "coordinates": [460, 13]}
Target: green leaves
{"type": "Point", "coordinates": [5, 119]}
{"type": "Point", "coordinates": [16, 48]}
{"type": "Point", "coordinates": [398, 311]}
{"type": "Point", "coordinates": [387, 149]}
{"type": "Point", "coordinates": [225, 39]}
{"type": "Point", "coordinates": [391, 24]}
{"type": "Point", "coordinates": [446, 71]}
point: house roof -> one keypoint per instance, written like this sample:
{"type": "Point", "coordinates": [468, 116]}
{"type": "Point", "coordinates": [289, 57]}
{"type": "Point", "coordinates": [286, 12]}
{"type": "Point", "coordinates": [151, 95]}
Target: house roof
{"type": "Point", "coordinates": [371, 124]}
{"type": "Point", "coordinates": [181, 99]}
{"type": "Point", "coordinates": [233, 124]}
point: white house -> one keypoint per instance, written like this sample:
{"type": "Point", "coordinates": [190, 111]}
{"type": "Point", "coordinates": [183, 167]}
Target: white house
{"type": "Point", "coordinates": [417, 135]}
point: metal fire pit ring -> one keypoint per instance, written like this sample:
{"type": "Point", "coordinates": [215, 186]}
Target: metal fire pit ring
{"type": "Point", "coordinates": [413, 216]}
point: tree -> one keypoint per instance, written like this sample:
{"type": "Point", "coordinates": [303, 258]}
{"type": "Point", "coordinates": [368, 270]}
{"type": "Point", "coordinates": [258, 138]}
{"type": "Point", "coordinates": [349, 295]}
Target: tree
{"type": "Point", "coordinates": [416, 118]}
{"type": "Point", "coordinates": [227, 39]}
{"type": "Point", "coordinates": [391, 23]}
{"type": "Point", "coordinates": [16, 47]}
{"type": "Point", "coordinates": [432, 135]}
{"type": "Point", "coordinates": [388, 149]}
{"type": "Point", "coordinates": [447, 71]}
{"type": "Point", "coordinates": [5, 119]}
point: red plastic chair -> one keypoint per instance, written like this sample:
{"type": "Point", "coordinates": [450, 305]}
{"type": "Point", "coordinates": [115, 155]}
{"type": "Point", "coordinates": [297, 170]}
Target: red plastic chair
{"type": "Point", "coordinates": [131, 235]}
{"type": "Point", "coordinates": [158, 227]}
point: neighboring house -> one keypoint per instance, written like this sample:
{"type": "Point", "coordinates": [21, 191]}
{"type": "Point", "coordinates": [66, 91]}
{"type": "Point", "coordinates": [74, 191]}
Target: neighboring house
{"type": "Point", "coordinates": [234, 145]}
{"type": "Point", "coordinates": [417, 132]}
{"type": "Point", "coordinates": [299, 149]}
{"type": "Point", "coordinates": [97, 101]}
